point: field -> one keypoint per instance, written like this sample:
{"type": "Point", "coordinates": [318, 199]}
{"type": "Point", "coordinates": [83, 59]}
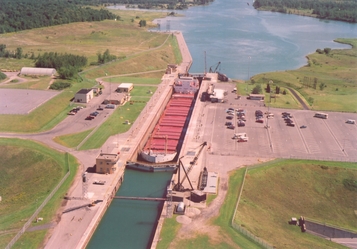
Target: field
{"type": "Point", "coordinates": [272, 194]}
{"type": "Point", "coordinates": [138, 50]}
{"type": "Point", "coordinates": [29, 173]}
{"type": "Point", "coordinates": [328, 82]}
{"type": "Point", "coordinates": [316, 190]}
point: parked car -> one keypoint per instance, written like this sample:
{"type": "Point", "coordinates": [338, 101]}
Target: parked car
{"type": "Point", "coordinates": [100, 108]}
{"type": "Point", "coordinates": [89, 117]}
{"type": "Point", "coordinates": [229, 117]}
{"type": "Point", "coordinates": [94, 114]}
{"type": "Point", "coordinates": [228, 123]}
{"type": "Point", "coordinates": [290, 124]}
{"type": "Point", "coordinates": [259, 121]}
{"type": "Point", "coordinates": [303, 126]}
{"type": "Point", "coordinates": [241, 124]}
{"type": "Point", "coordinates": [231, 127]}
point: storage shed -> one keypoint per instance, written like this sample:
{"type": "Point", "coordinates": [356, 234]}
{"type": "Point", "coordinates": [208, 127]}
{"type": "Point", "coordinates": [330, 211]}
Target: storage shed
{"type": "Point", "coordinates": [125, 87]}
{"type": "Point", "coordinates": [37, 71]}
{"type": "Point", "coordinates": [84, 95]}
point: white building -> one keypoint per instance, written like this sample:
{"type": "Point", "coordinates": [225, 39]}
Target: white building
{"type": "Point", "coordinates": [37, 71]}
{"type": "Point", "coordinates": [84, 95]}
{"type": "Point", "coordinates": [218, 95]}
{"type": "Point", "coordinates": [125, 87]}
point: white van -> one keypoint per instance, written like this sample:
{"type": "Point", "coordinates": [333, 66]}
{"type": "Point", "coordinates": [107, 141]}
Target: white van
{"type": "Point", "coordinates": [350, 121]}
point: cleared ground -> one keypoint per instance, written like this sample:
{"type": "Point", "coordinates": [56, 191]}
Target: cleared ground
{"type": "Point", "coordinates": [23, 101]}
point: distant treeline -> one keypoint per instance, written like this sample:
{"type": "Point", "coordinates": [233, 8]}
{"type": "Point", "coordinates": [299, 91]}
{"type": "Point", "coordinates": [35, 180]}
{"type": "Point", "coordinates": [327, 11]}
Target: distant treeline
{"type": "Point", "coordinates": [16, 15]}
{"type": "Point", "coordinates": [343, 10]}
{"type": "Point", "coordinates": [169, 4]}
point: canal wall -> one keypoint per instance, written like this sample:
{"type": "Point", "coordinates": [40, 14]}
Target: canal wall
{"type": "Point", "coordinates": [155, 114]}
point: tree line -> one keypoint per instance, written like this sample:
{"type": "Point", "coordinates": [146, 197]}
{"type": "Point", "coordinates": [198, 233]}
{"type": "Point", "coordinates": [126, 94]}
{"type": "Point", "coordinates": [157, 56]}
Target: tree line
{"type": "Point", "coordinates": [67, 65]}
{"type": "Point", "coordinates": [10, 54]}
{"type": "Point", "coordinates": [344, 10]}
{"type": "Point", "coordinates": [17, 15]}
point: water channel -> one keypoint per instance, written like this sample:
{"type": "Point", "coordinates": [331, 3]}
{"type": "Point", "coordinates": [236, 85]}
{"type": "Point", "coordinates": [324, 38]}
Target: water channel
{"type": "Point", "coordinates": [246, 42]}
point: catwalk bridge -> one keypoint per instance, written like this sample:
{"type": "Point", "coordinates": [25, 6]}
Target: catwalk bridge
{"type": "Point", "coordinates": [140, 198]}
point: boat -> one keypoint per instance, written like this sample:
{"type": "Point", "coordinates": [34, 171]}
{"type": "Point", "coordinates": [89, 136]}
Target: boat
{"type": "Point", "coordinates": [164, 141]}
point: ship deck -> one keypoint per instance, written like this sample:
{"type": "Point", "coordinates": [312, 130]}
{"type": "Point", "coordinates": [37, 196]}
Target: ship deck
{"type": "Point", "coordinates": [167, 132]}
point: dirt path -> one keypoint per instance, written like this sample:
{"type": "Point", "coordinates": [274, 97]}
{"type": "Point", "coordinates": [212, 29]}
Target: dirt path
{"type": "Point", "coordinates": [202, 223]}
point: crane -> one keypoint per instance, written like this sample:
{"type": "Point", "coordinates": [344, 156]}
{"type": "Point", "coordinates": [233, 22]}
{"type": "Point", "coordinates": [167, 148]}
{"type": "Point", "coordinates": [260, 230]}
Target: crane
{"type": "Point", "coordinates": [178, 186]}
{"type": "Point", "coordinates": [213, 71]}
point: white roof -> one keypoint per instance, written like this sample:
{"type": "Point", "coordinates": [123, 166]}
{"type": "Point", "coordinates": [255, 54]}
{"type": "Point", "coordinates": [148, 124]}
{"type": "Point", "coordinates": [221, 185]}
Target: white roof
{"type": "Point", "coordinates": [219, 93]}
{"type": "Point", "coordinates": [37, 71]}
{"type": "Point", "coordinates": [125, 85]}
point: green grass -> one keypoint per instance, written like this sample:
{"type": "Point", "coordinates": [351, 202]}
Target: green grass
{"type": "Point", "coordinates": [36, 82]}
{"type": "Point", "coordinates": [170, 229]}
{"type": "Point", "coordinates": [144, 51]}
{"type": "Point", "coordinates": [72, 140]}
{"type": "Point", "coordinates": [25, 166]}
{"type": "Point", "coordinates": [294, 188]}
{"type": "Point", "coordinates": [114, 124]}
{"type": "Point", "coordinates": [337, 70]}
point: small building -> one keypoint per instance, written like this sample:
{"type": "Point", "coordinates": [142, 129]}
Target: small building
{"type": "Point", "coordinates": [218, 95]}
{"type": "Point", "coordinates": [256, 96]}
{"type": "Point", "coordinates": [125, 87]}
{"type": "Point", "coordinates": [117, 98]}
{"type": "Point", "coordinates": [171, 68]}
{"type": "Point", "coordinates": [37, 71]}
{"type": "Point", "coordinates": [84, 95]}
{"type": "Point", "coordinates": [106, 163]}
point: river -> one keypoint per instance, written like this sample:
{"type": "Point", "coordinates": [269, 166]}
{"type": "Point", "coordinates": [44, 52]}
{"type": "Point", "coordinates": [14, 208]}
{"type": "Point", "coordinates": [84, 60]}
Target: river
{"type": "Point", "coordinates": [248, 42]}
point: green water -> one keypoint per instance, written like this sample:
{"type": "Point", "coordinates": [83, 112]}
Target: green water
{"type": "Point", "coordinates": [131, 223]}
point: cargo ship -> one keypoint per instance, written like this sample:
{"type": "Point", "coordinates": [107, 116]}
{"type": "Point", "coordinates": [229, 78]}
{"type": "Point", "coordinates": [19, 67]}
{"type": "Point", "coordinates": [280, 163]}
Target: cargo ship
{"type": "Point", "coordinates": [164, 142]}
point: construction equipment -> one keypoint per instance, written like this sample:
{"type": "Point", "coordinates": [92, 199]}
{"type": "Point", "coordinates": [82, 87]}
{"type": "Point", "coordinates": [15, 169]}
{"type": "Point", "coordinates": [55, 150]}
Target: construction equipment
{"type": "Point", "coordinates": [213, 71]}
{"type": "Point", "coordinates": [179, 186]}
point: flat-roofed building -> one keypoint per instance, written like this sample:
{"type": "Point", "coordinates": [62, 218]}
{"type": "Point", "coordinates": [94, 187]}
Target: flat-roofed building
{"type": "Point", "coordinates": [106, 163]}
{"type": "Point", "coordinates": [218, 95]}
{"type": "Point", "coordinates": [125, 87]}
{"type": "Point", "coordinates": [84, 95]}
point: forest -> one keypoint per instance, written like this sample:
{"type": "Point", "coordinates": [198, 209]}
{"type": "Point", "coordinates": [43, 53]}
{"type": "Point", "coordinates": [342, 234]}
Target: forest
{"type": "Point", "coordinates": [17, 15]}
{"type": "Point", "coordinates": [344, 10]}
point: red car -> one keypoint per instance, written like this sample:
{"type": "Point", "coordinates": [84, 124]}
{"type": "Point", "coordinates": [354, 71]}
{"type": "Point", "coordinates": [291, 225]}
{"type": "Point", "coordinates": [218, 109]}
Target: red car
{"type": "Point", "coordinates": [259, 121]}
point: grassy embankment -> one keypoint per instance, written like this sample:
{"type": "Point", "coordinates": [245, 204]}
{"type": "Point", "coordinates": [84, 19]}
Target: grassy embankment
{"type": "Point", "coordinates": [335, 76]}
{"type": "Point", "coordinates": [323, 191]}
{"type": "Point", "coordinates": [274, 193]}
{"type": "Point", "coordinates": [138, 50]}
{"type": "Point", "coordinates": [29, 173]}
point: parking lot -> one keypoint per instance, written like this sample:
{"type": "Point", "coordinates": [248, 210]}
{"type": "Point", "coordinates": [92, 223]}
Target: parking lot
{"type": "Point", "coordinates": [322, 139]}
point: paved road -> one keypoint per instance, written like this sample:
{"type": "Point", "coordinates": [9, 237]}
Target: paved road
{"type": "Point", "coordinates": [299, 99]}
